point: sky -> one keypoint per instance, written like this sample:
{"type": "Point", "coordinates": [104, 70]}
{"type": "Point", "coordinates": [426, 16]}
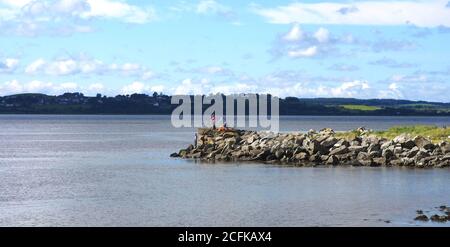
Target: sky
{"type": "Point", "coordinates": [360, 49]}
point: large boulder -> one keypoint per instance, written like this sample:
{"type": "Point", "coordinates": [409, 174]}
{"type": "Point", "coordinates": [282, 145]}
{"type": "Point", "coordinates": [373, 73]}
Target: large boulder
{"type": "Point", "coordinates": [411, 153]}
{"type": "Point", "coordinates": [326, 131]}
{"type": "Point", "coordinates": [301, 156]}
{"type": "Point", "coordinates": [339, 150]}
{"type": "Point", "coordinates": [379, 161]}
{"type": "Point", "coordinates": [342, 142]}
{"type": "Point", "coordinates": [357, 149]}
{"type": "Point", "coordinates": [373, 147]}
{"type": "Point", "coordinates": [387, 154]}
{"type": "Point", "coordinates": [422, 142]}
{"type": "Point", "coordinates": [332, 160]}
{"type": "Point", "coordinates": [329, 142]}
{"type": "Point", "coordinates": [405, 141]}
{"type": "Point", "coordinates": [445, 147]}
{"type": "Point", "coordinates": [313, 146]}
{"type": "Point", "coordinates": [364, 159]}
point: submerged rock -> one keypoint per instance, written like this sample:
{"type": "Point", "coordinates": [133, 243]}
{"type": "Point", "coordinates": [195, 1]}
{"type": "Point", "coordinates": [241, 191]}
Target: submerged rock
{"type": "Point", "coordinates": [439, 218]}
{"type": "Point", "coordinates": [422, 217]}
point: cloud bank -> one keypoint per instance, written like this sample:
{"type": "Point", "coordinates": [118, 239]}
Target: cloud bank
{"type": "Point", "coordinates": [430, 13]}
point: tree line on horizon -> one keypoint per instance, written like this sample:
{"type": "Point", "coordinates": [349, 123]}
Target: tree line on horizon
{"type": "Point", "coordinates": [158, 103]}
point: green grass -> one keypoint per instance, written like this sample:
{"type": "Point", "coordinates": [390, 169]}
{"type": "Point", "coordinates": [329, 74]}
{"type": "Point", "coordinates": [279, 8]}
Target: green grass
{"type": "Point", "coordinates": [361, 107]}
{"type": "Point", "coordinates": [434, 133]}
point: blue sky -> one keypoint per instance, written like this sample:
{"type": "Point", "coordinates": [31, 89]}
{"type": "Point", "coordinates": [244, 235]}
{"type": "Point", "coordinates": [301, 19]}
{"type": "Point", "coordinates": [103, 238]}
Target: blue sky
{"type": "Point", "coordinates": [362, 49]}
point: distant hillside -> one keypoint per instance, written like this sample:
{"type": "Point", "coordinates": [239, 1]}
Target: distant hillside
{"type": "Point", "coordinates": [77, 103]}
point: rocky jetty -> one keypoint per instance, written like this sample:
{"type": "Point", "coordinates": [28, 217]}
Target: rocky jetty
{"type": "Point", "coordinates": [324, 147]}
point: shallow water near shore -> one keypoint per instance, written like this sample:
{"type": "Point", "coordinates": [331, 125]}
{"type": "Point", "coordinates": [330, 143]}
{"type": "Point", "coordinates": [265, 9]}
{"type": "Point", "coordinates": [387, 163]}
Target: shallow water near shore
{"type": "Point", "coordinates": [116, 171]}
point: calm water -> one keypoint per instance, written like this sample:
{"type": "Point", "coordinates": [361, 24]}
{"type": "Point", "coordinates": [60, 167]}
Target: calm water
{"type": "Point", "coordinates": [115, 171]}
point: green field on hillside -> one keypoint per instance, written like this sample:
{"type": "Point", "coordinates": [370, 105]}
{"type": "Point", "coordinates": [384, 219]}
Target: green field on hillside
{"type": "Point", "coordinates": [361, 107]}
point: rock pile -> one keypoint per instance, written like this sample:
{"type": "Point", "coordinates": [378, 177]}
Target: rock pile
{"type": "Point", "coordinates": [317, 148]}
{"type": "Point", "coordinates": [435, 217]}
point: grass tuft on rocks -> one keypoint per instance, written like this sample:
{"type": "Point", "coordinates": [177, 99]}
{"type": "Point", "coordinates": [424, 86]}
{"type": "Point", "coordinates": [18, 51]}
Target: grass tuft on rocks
{"type": "Point", "coordinates": [432, 132]}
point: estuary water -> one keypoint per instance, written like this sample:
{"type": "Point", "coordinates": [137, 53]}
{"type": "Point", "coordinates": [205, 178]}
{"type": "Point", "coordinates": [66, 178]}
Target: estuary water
{"type": "Point", "coordinates": [116, 171]}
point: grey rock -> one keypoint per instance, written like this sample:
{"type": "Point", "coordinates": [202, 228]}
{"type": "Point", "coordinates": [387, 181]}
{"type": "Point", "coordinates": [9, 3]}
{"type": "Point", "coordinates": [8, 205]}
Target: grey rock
{"type": "Point", "coordinates": [445, 147]}
{"type": "Point", "coordinates": [387, 154]}
{"type": "Point", "coordinates": [373, 147]}
{"type": "Point", "coordinates": [342, 142]}
{"type": "Point", "coordinates": [379, 161]}
{"type": "Point", "coordinates": [315, 157]}
{"type": "Point", "coordinates": [332, 160]}
{"type": "Point", "coordinates": [386, 145]}
{"type": "Point", "coordinates": [313, 146]}
{"type": "Point", "coordinates": [408, 144]}
{"type": "Point", "coordinates": [368, 162]}
{"type": "Point", "coordinates": [398, 150]}
{"type": "Point", "coordinates": [329, 142]}
{"type": "Point", "coordinates": [412, 152]}
{"type": "Point", "coordinates": [340, 150]}
{"type": "Point", "coordinates": [301, 156]}
{"type": "Point", "coordinates": [438, 218]}
{"type": "Point", "coordinates": [397, 162]}
{"type": "Point", "coordinates": [422, 217]}
{"type": "Point", "coordinates": [421, 154]}
{"type": "Point", "coordinates": [356, 148]}
{"type": "Point", "coordinates": [422, 142]}
{"type": "Point", "coordinates": [375, 154]}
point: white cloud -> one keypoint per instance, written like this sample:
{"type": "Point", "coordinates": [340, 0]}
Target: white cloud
{"type": "Point", "coordinates": [157, 88]}
{"type": "Point", "coordinates": [63, 17]}
{"type": "Point", "coordinates": [86, 66]}
{"type": "Point", "coordinates": [430, 13]}
{"type": "Point", "coordinates": [211, 6]}
{"type": "Point", "coordinates": [343, 67]}
{"type": "Point", "coordinates": [391, 63]}
{"type": "Point", "coordinates": [8, 65]}
{"type": "Point", "coordinates": [135, 87]}
{"type": "Point", "coordinates": [298, 43]}
{"type": "Point", "coordinates": [35, 66]}
{"type": "Point", "coordinates": [140, 87]}
{"type": "Point", "coordinates": [119, 10]}
{"type": "Point", "coordinates": [68, 86]}
{"type": "Point", "coordinates": [350, 89]}
{"type": "Point", "coordinates": [16, 87]}
{"type": "Point", "coordinates": [295, 34]}
{"type": "Point", "coordinates": [15, 3]}
{"type": "Point", "coordinates": [409, 78]}
{"type": "Point", "coordinates": [214, 8]}
{"type": "Point", "coordinates": [308, 52]}
{"type": "Point", "coordinates": [393, 92]}
{"type": "Point", "coordinates": [322, 35]}
{"type": "Point", "coordinates": [214, 69]}
{"type": "Point", "coordinates": [10, 87]}
{"type": "Point", "coordinates": [96, 87]}
{"type": "Point", "coordinates": [206, 6]}
{"type": "Point", "coordinates": [187, 86]}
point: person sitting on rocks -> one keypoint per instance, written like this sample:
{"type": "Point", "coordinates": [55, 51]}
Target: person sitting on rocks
{"type": "Point", "coordinates": [223, 127]}
{"type": "Point", "coordinates": [213, 120]}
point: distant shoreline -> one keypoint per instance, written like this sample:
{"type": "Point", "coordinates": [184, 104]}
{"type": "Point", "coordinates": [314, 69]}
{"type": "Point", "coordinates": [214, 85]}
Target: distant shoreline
{"type": "Point", "coordinates": [160, 104]}
{"type": "Point", "coordinates": [169, 114]}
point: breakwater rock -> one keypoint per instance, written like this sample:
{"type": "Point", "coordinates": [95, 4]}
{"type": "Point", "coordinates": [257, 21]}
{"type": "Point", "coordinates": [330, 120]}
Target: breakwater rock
{"type": "Point", "coordinates": [317, 148]}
